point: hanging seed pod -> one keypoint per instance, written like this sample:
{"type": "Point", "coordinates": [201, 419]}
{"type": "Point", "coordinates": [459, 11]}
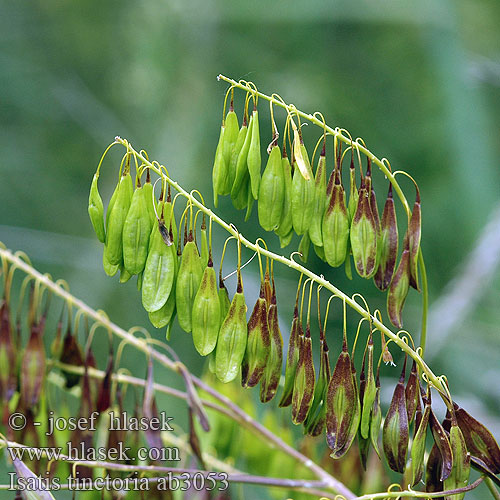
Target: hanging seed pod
{"type": "Point", "coordinates": [285, 240]}
{"type": "Point", "coordinates": [364, 235]}
{"type": "Point", "coordinates": [188, 283]}
{"type": "Point", "coordinates": [387, 244]}
{"type": "Point", "coordinates": [302, 192]}
{"type": "Point", "coordinates": [443, 444]}
{"type": "Point", "coordinates": [109, 269]}
{"type": "Point", "coordinates": [253, 159]}
{"type": "Point", "coordinates": [395, 434]}
{"type": "Point", "coordinates": [412, 392]}
{"type": "Point", "coordinates": [285, 225]}
{"type": "Point", "coordinates": [104, 395]}
{"type": "Point", "coordinates": [414, 232]}
{"type": "Point", "coordinates": [460, 472]}
{"type": "Point", "coordinates": [148, 198]}
{"type": "Point", "coordinates": [232, 340]}
{"type": "Point", "coordinates": [228, 144]}
{"type": "Point", "coordinates": [398, 290]}
{"type": "Point", "coordinates": [204, 253]}
{"type": "Point", "coordinates": [238, 146]}
{"type": "Point", "coordinates": [219, 170]}
{"type": "Point", "coordinates": [118, 214]}
{"type": "Point", "coordinates": [353, 190]}
{"type": "Point", "coordinates": [304, 246]}
{"type": "Point", "coordinates": [8, 356]}
{"type": "Point", "coordinates": [418, 446]}
{"type": "Point", "coordinates": [224, 302]}
{"type": "Point", "coordinates": [33, 366]}
{"type": "Point", "coordinates": [369, 391]}
{"type": "Point", "coordinates": [343, 407]}
{"type": "Point", "coordinates": [376, 416]}
{"type": "Point", "coordinates": [480, 442]}
{"type": "Point", "coordinates": [71, 354]}
{"type": "Point", "coordinates": [272, 372]}
{"type": "Point", "coordinates": [433, 481]}
{"type": "Point", "coordinates": [241, 163]}
{"type": "Point", "coordinates": [206, 312]}
{"type": "Point", "coordinates": [159, 273]}
{"type": "Point", "coordinates": [271, 191]}
{"type": "Point", "coordinates": [136, 231]}
{"type": "Point", "coordinates": [250, 202]}
{"type": "Point", "coordinates": [319, 203]}
{"type": "Point", "coordinates": [241, 200]}
{"type": "Point", "coordinates": [96, 210]}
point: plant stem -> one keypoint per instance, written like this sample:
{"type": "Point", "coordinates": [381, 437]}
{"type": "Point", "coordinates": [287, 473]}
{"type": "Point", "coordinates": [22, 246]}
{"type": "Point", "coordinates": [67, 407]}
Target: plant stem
{"type": "Point", "coordinates": [380, 164]}
{"type": "Point", "coordinates": [494, 492]}
{"type": "Point", "coordinates": [236, 412]}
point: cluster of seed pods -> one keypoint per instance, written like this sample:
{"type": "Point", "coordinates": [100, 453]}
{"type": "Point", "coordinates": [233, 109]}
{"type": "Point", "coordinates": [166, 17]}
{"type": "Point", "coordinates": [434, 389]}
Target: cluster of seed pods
{"type": "Point", "coordinates": [292, 199]}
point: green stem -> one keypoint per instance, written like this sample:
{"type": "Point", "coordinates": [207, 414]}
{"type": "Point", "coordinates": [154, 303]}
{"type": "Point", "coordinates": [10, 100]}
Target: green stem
{"type": "Point", "coordinates": [433, 379]}
{"type": "Point", "coordinates": [492, 488]}
{"type": "Point", "coordinates": [380, 164]}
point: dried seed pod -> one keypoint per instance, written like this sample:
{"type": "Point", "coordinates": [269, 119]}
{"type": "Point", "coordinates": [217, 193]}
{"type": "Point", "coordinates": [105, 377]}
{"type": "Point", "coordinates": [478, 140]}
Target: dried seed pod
{"type": "Point", "coordinates": [241, 163]}
{"type": "Point", "coordinates": [285, 225]}
{"type": "Point", "coordinates": [71, 354]}
{"type": "Point", "coordinates": [232, 340]}
{"type": "Point", "coordinates": [188, 283]}
{"type": "Point", "coordinates": [253, 159]}
{"type": "Point", "coordinates": [414, 233]}
{"type": "Point", "coordinates": [136, 231]}
{"type": "Point", "coordinates": [443, 444]}
{"type": "Point", "coordinates": [418, 446]}
{"type": "Point", "coordinates": [433, 481]}
{"type": "Point", "coordinates": [33, 366]}
{"type": "Point", "coordinates": [364, 235]}
{"type": "Point", "coordinates": [229, 139]}
{"type": "Point", "coordinates": [398, 290]}
{"type": "Point", "coordinates": [104, 396]}
{"type": "Point", "coordinates": [387, 244]}
{"type": "Point", "coordinates": [303, 191]}
{"type": "Point", "coordinates": [369, 391]}
{"type": "Point", "coordinates": [412, 392]}
{"type": "Point", "coordinates": [96, 210]}
{"type": "Point", "coordinates": [206, 312]}
{"type": "Point", "coordinates": [319, 203]}
{"type": "Point", "coordinates": [395, 434]}
{"type": "Point", "coordinates": [8, 356]}
{"type": "Point", "coordinates": [271, 192]}
{"type": "Point", "coordinates": [459, 476]}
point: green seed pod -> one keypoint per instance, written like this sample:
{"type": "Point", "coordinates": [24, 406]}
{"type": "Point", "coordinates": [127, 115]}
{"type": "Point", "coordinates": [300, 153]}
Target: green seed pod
{"type": "Point", "coordinates": [398, 290]}
{"type": "Point", "coordinates": [96, 210]}
{"type": "Point", "coordinates": [8, 356]}
{"type": "Point", "coordinates": [336, 225]}
{"type": "Point", "coordinates": [206, 312]}
{"type": "Point", "coordinates": [224, 302]}
{"type": "Point", "coordinates": [238, 146]}
{"type": "Point", "coordinates": [285, 240]}
{"type": "Point", "coordinates": [241, 163]}
{"type": "Point", "coordinates": [271, 192]}
{"type": "Point", "coordinates": [148, 198]}
{"type": "Point", "coordinates": [229, 142]}
{"type": "Point", "coordinates": [302, 198]}
{"type": "Point", "coordinates": [303, 387]}
{"type": "Point", "coordinates": [387, 244]}
{"type": "Point", "coordinates": [163, 316]}
{"type": "Point", "coordinates": [376, 417]}
{"type": "Point", "coordinates": [343, 407]}
{"type": "Point", "coordinates": [353, 192]}
{"type": "Point", "coordinates": [369, 390]}
{"type": "Point", "coordinates": [109, 269]}
{"type": "Point", "coordinates": [258, 343]}
{"type": "Point", "coordinates": [272, 372]}
{"type": "Point", "coordinates": [304, 246]}
{"type": "Point", "coordinates": [219, 171]}
{"type": "Point", "coordinates": [136, 231]}
{"type": "Point", "coordinates": [320, 252]}
{"type": "Point", "coordinates": [443, 444]}
{"type": "Point", "coordinates": [159, 273]}
{"type": "Point", "coordinates": [364, 235]}
{"type": "Point", "coordinates": [414, 232]}
{"type": "Point", "coordinates": [117, 216]}
{"type": "Point", "coordinates": [395, 433]}
{"type": "Point", "coordinates": [253, 158]}
{"type": "Point", "coordinates": [418, 446]}
{"type": "Point", "coordinates": [232, 340]}
{"type": "Point", "coordinates": [204, 244]}
{"type": "Point", "coordinates": [460, 471]}
{"type": "Point", "coordinates": [412, 392]}
{"type": "Point", "coordinates": [319, 203]}
{"type": "Point", "coordinates": [124, 274]}
{"type": "Point", "coordinates": [241, 200]}
{"type": "Point", "coordinates": [285, 225]}
{"type": "Point", "coordinates": [250, 202]}
{"type": "Point", "coordinates": [188, 283]}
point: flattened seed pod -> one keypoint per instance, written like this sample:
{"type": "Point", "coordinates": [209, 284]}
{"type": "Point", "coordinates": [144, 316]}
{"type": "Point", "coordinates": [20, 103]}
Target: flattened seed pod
{"type": "Point", "coordinates": [387, 244]}
{"type": "Point", "coordinates": [224, 302]}
{"type": "Point", "coordinates": [96, 210]}
{"type": "Point", "coordinates": [253, 159]}
{"type": "Point", "coordinates": [398, 290]}
{"type": "Point", "coordinates": [304, 246]}
{"type": "Point", "coordinates": [460, 472]}
{"type": "Point", "coordinates": [369, 391]}
{"type": "Point", "coordinates": [285, 240]}
{"type": "Point", "coordinates": [414, 233]}
{"type": "Point", "coordinates": [271, 192]}
{"type": "Point", "coordinates": [204, 253]}
{"type": "Point", "coordinates": [412, 392]}
{"type": "Point", "coordinates": [443, 445]}
{"type": "Point", "coordinates": [418, 445]}
{"type": "Point", "coordinates": [395, 433]}
{"type": "Point", "coordinates": [241, 162]}
{"type": "Point", "coordinates": [238, 146]}
{"type": "Point", "coordinates": [241, 200]}
{"type": "Point", "coordinates": [188, 283]}
{"type": "Point", "coordinates": [376, 416]}
{"type": "Point", "coordinates": [353, 192]}
{"type": "Point", "coordinates": [285, 225]}
{"type": "Point", "coordinates": [433, 481]}
{"type": "Point", "coordinates": [315, 227]}
{"type": "Point", "coordinates": [228, 143]}
{"type": "Point", "coordinates": [148, 198]}
{"type": "Point", "coordinates": [206, 312]}
{"type": "Point", "coordinates": [219, 170]}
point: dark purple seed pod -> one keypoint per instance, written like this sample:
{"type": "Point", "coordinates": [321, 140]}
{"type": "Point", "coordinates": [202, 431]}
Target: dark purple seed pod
{"type": "Point", "coordinates": [443, 444]}
{"type": "Point", "coordinates": [414, 234]}
{"type": "Point", "coordinates": [398, 290]}
{"type": "Point", "coordinates": [412, 392]}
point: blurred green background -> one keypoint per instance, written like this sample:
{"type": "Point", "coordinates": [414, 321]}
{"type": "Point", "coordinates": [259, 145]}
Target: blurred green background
{"type": "Point", "coordinates": [418, 81]}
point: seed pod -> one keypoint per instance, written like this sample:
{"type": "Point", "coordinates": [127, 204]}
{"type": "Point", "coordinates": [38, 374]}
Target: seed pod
{"type": "Point", "coordinates": [480, 442]}
{"type": "Point", "coordinates": [188, 283]}
{"type": "Point", "coordinates": [320, 252]}
{"type": "Point", "coordinates": [353, 193]}
{"type": "Point", "coordinates": [136, 231]}
{"type": "Point", "coordinates": [304, 246]}
{"type": "Point", "coordinates": [232, 340]}
{"type": "Point", "coordinates": [412, 392]}
{"type": "Point", "coordinates": [71, 354]}
{"type": "Point", "coordinates": [224, 302]}
{"type": "Point", "coordinates": [8, 356]}
{"type": "Point", "coordinates": [302, 194]}
{"type": "Point", "coordinates": [387, 244]}
{"type": "Point", "coordinates": [124, 274]}
{"type": "Point", "coordinates": [285, 225]}
{"type": "Point", "coordinates": [104, 395]}
{"type": "Point", "coordinates": [253, 159]}
{"type": "Point", "coordinates": [219, 170]}
{"type": "Point", "coordinates": [336, 224]}
{"type": "Point", "coordinates": [206, 312]}
{"type": "Point", "coordinates": [96, 210]}
{"type": "Point", "coordinates": [241, 200]}
{"type": "Point", "coordinates": [148, 198]}
{"type": "Point", "coordinates": [163, 316]}
{"type": "Point", "coordinates": [33, 366]}
{"type": "Point", "coordinates": [369, 390]}
{"type": "Point", "coordinates": [250, 202]}
{"type": "Point", "coordinates": [271, 376]}
{"type": "Point", "coordinates": [26, 477]}
{"type": "Point", "coordinates": [443, 444]}
{"type": "Point", "coordinates": [343, 408]}
{"type": "Point", "coordinates": [117, 216]}
{"type": "Point", "coordinates": [238, 146]}
{"type": "Point", "coordinates": [433, 481]}
{"type": "Point", "coordinates": [414, 232]}
{"type": "Point", "coordinates": [285, 240]}
{"type": "Point", "coordinates": [159, 273]}
{"type": "Point", "coordinates": [271, 192]}
{"type": "Point", "coordinates": [459, 476]}
{"type": "Point", "coordinates": [258, 343]}
{"type": "Point", "coordinates": [376, 416]}
{"type": "Point", "coordinates": [204, 245]}
{"type": "Point", "coordinates": [398, 290]}
{"type": "Point", "coordinates": [315, 227]}
{"type": "Point", "coordinates": [109, 269]}
{"type": "Point", "coordinates": [395, 433]}
{"type": "Point", "coordinates": [364, 235]}
{"type": "Point", "coordinates": [418, 446]}
{"type": "Point", "coordinates": [229, 141]}
{"type": "Point", "coordinates": [241, 163]}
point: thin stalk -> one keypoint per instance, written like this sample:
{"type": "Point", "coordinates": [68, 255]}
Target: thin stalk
{"type": "Point", "coordinates": [494, 492]}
